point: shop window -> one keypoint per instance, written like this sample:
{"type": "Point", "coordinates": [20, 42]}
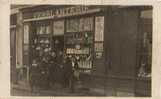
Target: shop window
{"type": "Point", "coordinates": [79, 42]}
{"type": "Point", "coordinates": [40, 46]}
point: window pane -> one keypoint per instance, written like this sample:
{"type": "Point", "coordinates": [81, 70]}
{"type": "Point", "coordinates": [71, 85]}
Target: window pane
{"type": "Point", "coordinates": [26, 46]}
{"type": "Point", "coordinates": [43, 28]}
{"type": "Point", "coordinates": [58, 28]}
{"type": "Point", "coordinates": [99, 28]}
{"type": "Point", "coordinates": [73, 25]}
{"type": "Point", "coordinates": [98, 49]}
{"type": "Point", "coordinates": [79, 25]}
{"type": "Point", "coordinates": [26, 34]}
{"type": "Point", "coordinates": [88, 24]}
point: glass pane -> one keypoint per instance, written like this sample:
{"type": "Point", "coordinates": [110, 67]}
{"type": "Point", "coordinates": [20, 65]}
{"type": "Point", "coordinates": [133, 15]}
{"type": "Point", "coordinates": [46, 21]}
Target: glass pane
{"type": "Point", "coordinates": [78, 25]}
{"type": "Point", "coordinates": [73, 25]}
{"type": "Point", "coordinates": [88, 24]}
{"type": "Point", "coordinates": [98, 50]}
{"type": "Point", "coordinates": [26, 46]}
{"type": "Point", "coordinates": [58, 28]}
{"type": "Point", "coordinates": [98, 47]}
{"type": "Point", "coordinates": [26, 34]}
{"type": "Point", "coordinates": [48, 29]}
{"type": "Point", "coordinates": [99, 28]}
{"type": "Point", "coordinates": [43, 28]}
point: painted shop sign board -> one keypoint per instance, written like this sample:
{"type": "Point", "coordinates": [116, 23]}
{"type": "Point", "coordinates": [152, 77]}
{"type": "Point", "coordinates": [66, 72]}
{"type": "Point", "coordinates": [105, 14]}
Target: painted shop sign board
{"type": "Point", "coordinates": [59, 13]}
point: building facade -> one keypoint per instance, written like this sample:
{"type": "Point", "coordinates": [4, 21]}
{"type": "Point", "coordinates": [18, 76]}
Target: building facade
{"type": "Point", "coordinates": [112, 43]}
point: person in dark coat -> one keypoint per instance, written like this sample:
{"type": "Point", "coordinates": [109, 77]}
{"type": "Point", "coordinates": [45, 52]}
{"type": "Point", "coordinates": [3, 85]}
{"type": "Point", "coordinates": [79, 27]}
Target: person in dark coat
{"type": "Point", "coordinates": [58, 67]}
{"type": "Point", "coordinates": [68, 73]}
{"type": "Point", "coordinates": [52, 62]}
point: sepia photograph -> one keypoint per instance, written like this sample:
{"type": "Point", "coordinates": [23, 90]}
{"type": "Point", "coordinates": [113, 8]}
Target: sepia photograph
{"type": "Point", "coordinates": [81, 50]}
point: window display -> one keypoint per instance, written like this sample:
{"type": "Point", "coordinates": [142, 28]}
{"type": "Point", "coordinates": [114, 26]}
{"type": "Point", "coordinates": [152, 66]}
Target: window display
{"type": "Point", "coordinates": [80, 47]}
{"type": "Point", "coordinates": [79, 42]}
{"type": "Point", "coordinates": [41, 44]}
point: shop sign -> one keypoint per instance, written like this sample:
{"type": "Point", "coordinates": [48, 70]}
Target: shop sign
{"type": "Point", "coordinates": [63, 12]}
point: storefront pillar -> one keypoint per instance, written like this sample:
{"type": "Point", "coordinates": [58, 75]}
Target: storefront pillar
{"type": "Point", "coordinates": [19, 40]}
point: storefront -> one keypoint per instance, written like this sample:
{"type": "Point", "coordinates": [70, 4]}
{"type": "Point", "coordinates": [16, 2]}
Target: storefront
{"type": "Point", "coordinates": [68, 30]}
{"type": "Point", "coordinates": [112, 44]}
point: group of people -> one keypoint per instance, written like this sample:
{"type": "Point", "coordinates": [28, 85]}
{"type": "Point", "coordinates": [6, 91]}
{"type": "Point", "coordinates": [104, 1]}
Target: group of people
{"type": "Point", "coordinates": [55, 68]}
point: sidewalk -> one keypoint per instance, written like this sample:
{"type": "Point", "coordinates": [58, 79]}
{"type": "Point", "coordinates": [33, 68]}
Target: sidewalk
{"type": "Point", "coordinates": [80, 90]}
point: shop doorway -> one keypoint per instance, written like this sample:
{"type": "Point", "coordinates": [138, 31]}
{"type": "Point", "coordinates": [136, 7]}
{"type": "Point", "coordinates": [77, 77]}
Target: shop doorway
{"type": "Point", "coordinates": [58, 49]}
